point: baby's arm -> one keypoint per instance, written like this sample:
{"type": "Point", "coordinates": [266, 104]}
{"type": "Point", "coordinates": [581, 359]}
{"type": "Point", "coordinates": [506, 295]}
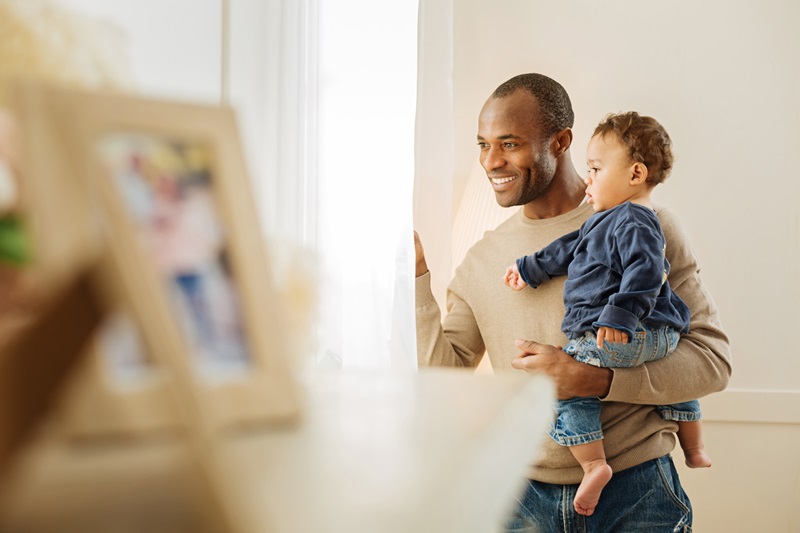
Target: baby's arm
{"type": "Point", "coordinates": [513, 279]}
{"type": "Point", "coordinates": [551, 261]}
{"type": "Point", "coordinates": [639, 249]}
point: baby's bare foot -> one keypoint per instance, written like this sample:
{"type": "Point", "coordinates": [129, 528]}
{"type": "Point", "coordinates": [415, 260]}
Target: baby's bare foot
{"type": "Point", "coordinates": [589, 491]}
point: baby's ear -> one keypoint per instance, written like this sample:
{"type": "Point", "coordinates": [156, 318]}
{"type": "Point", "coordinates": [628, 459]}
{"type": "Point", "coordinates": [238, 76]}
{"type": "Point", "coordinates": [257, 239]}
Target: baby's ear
{"type": "Point", "coordinates": [639, 175]}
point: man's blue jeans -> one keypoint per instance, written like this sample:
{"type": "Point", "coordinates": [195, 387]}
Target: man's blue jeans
{"type": "Point", "coordinates": [646, 498]}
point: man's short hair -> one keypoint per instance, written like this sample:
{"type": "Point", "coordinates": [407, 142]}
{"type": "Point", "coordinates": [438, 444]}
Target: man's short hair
{"type": "Point", "coordinates": [647, 142]}
{"type": "Point", "coordinates": [555, 108]}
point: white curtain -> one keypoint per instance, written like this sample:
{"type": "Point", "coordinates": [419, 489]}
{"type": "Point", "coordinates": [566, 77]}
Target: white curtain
{"type": "Point", "coordinates": [326, 98]}
{"type": "Point", "coordinates": [433, 186]}
{"type": "Point", "coordinates": [367, 100]}
{"type": "Point", "coordinates": [327, 93]}
{"type": "Point", "coordinates": [448, 222]}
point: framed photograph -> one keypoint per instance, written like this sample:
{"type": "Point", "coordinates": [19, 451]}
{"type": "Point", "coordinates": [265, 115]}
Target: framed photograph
{"type": "Point", "coordinates": [160, 189]}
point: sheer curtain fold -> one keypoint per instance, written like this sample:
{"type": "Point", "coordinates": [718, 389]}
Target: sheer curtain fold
{"type": "Point", "coordinates": [433, 188]}
{"type": "Point", "coordinates": [271, 66]}
{"type": "Point", "coordinates": [327, 94]}
{"type": "Point", "coordinates": [367, 99]}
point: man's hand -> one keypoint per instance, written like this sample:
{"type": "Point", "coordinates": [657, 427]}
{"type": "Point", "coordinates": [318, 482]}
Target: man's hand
{"type": "Point", "coordinates": [422, 266]}
{"type": "Point", "coordinates": [570, 377]}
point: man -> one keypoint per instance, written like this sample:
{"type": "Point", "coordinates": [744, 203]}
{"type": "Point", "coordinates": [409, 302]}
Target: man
{"type": "Point", "coordinates": [524, 135]}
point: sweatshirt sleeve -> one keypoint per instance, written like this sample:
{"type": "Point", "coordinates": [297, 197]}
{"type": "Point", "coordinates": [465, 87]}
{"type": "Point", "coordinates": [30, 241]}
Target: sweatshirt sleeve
{"type": "Point", "coordinates": [640, 249]}
{"type": "Point", "coordinates": [551, 261]}
{"type": "Point", "coordinates": [701, 364]}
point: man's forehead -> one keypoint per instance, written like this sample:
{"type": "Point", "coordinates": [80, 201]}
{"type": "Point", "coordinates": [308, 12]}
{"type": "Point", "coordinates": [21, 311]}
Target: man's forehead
{"type": "Point", "coordinates": [509, 117]}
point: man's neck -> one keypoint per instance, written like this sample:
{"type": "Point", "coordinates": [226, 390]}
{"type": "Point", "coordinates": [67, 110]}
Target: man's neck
{"type": "Point", "coordinates": [564, 194]}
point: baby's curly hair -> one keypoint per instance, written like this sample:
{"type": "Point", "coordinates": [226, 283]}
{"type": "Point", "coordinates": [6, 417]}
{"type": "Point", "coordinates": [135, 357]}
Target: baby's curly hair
{"type": "Point", "coordinates": [647, 141]}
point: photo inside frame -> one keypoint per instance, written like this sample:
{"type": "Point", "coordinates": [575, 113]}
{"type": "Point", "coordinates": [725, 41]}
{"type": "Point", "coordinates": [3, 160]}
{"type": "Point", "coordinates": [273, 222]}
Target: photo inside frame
{"type": "Point", "coordinates": [126, 359]}
{"type": "Point", "coordinates": [160, 190]}
{"type": "Point", "coordinates": [167, 187]}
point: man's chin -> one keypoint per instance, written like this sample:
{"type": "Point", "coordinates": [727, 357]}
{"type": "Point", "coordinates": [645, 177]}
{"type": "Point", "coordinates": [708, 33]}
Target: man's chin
{"type": "Point", "coordinates": [504, 200]}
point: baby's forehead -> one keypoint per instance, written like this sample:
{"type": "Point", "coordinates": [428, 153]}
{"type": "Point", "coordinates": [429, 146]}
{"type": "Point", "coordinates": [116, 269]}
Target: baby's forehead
{"type": "Point", "coordinates": [607, 137]}
{"type": "Point", "coordinates": [606, 142]}
{"type": "Point", "coordinates": [606, 146]}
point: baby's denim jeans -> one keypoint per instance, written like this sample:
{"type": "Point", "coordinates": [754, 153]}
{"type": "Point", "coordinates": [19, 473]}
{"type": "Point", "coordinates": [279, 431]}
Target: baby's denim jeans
{"type": "Point", "coordinates": [578, 419]}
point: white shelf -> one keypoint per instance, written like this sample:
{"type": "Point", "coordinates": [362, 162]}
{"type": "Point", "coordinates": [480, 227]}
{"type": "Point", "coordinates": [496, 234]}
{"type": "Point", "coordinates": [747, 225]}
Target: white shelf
{"type": "Point", "coordinates": [434, 451]}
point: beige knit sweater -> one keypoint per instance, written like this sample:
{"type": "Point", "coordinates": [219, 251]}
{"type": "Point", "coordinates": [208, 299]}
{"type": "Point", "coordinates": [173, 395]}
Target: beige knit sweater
{"type": "Point", "coordinates": [485, 316]}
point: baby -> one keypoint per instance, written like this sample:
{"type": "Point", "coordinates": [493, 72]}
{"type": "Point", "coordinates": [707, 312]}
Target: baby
{"type": "Point", "coordinates": [620, 309]}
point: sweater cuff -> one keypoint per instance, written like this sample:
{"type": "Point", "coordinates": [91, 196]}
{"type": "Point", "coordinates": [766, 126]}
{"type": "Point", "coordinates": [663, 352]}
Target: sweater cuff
{"type": "Point", "coordinates": [423, 294]}
{"type": "Point", "coordinates": [625, 384]}
{"type": "Point", "coordinates": [617, 318]}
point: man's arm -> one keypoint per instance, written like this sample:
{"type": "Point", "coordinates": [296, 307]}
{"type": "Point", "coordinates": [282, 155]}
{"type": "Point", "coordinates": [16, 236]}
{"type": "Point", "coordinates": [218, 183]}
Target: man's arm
{"type": "Point", "coordinates": [699, 366]}
{"type": "Point", "coordinates": [462, 344]}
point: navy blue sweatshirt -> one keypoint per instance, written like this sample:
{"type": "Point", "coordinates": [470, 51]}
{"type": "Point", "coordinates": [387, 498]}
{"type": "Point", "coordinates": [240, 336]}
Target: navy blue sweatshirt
{"type": "Point", "coordinates": [616, 273]}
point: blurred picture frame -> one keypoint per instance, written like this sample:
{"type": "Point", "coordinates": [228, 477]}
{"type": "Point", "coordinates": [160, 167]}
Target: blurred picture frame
{"type": "Point", "coordinates": [159, 190]}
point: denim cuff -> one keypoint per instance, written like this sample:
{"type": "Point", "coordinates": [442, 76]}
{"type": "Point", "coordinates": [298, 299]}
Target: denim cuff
{"type": "Point", "coordinates": [574, 440]}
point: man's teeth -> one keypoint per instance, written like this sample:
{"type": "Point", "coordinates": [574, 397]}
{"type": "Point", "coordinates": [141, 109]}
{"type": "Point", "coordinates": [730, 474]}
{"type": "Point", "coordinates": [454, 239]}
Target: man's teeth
{"type": "Point", "coordinates": [500, 181]}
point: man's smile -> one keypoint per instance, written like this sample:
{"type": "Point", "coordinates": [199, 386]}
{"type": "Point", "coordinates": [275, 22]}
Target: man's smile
{"type": "Point", "coordinates": [503, 180]}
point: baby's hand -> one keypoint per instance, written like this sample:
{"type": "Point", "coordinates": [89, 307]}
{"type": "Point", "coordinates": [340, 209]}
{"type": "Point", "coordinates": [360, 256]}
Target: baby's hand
{"type": "Point", "coordinates": [611, 335]}
{"type": "Point", "coordinates": [513, 279]}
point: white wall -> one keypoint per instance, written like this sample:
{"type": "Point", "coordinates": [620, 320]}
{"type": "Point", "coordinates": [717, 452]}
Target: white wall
{"type": "Point", "coordinates": [724, 80]}
{"type": "Point", "coordinates": [174, 46]}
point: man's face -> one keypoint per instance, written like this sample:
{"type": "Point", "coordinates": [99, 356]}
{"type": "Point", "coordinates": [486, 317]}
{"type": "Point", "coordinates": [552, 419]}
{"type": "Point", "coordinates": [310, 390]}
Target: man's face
{"type": "Point", "coordinates": [514, 153]}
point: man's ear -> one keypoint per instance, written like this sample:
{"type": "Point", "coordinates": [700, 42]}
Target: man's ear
{"type": "Point", "coordinates": [562, 141]}
{"type": "Point", "coordinates": [639, 175]}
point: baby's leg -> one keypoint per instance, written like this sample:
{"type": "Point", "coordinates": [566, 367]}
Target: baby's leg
{"type": "Point", "coordinates": [690, 435]}
{"type": "Point", "coordinates": [597, 474]}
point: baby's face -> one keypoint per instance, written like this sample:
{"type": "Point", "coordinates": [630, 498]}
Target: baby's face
{"type": "Point", "coordinates": [608, 178]}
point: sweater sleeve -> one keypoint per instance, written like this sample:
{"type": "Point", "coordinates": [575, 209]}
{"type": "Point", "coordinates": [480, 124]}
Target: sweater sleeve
{"type": "Point", "coordinates": [701, 364]}
{"type": "Point", "coordinates": [640, 249]}
{"type": "Point", "coordinates": [461, 345]}
{"type": "Point", "coordinates": [551, 261]}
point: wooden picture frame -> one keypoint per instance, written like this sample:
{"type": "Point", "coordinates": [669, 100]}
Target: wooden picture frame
{"type": "Point", "coordinates": [131, 171]}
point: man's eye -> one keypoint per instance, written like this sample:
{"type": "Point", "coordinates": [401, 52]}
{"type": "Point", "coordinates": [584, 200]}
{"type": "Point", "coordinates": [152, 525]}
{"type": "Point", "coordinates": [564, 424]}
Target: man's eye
{"type": "Point", "coordinates": [482, 145]}
{"type": "Point", "coordinates": [509, 145]}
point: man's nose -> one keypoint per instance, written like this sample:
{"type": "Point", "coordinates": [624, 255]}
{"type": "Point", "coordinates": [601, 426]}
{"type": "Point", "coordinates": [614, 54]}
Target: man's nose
{"type": "Point", "coordinates": [493, 159]}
